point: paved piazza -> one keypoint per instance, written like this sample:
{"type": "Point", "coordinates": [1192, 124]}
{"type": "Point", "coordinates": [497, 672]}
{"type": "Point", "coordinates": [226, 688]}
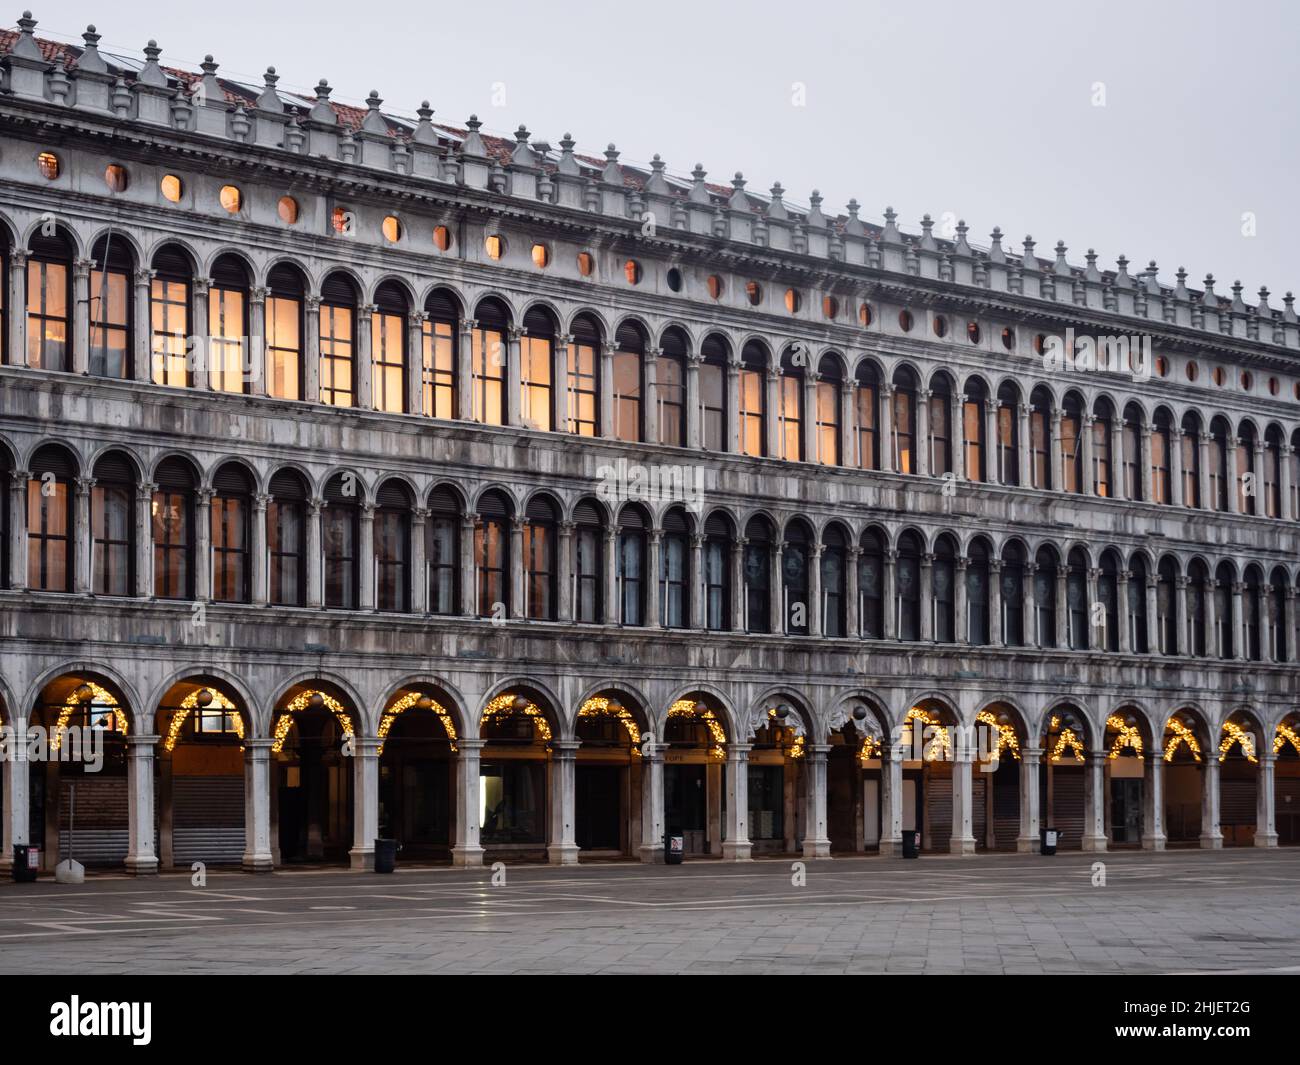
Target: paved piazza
{"type": "Point", "coordinates": [1177, 912]}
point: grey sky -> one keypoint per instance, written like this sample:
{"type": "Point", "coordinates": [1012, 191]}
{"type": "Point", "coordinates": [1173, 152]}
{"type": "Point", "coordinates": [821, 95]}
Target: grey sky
{"type": "Point", "coordinates": [982, 110]}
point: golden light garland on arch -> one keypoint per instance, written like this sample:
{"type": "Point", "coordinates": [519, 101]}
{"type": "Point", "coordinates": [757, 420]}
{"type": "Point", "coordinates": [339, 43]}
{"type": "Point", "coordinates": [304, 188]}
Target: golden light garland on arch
{"type": "Point", "coordinates": [100, 696]}
{"type": "Point", "coordinates": [1181, 734]}
{"type": "Point", "coordinates": [1234, 733]}
{"type": "Point", "coordinates": [686, 708]}
{"type": "Point", "coordinates": [1067, 737]}
{"type": "Point", "coordinates": [1127, 736]}
{"type": "Point", "coordinates": [599, 706]}
{"type": "Point", "coordinates": [403, 704]}
{"type": "Point", "coordinates": [1006, 734]}
{"type": "Point", "coordinates": [503, 706]}
{"type": "Point", "coordinates": [190, 702]}
{"type": "Point", "coordinates": [796, 748]}
{"type": "Point", "coordinates": [1285, 735]}
{"type": "Point", "coordinates": [940, 746]}
{"type": "Point", "coordinates": [299, 703]}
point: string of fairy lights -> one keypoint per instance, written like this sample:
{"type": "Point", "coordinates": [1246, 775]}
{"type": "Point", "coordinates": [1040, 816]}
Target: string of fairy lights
{"type": "Point", "coordinates": [600, 706]}
{"type": "Point", "coordinates": [423, 701]}
{"type": "Point", "coordinates": [303, 701]}
{"type": "Point", "coordinates": [699, 711]}
{"type": "Point", "coordinates": [87, 696]}
{"type": "Point", "coordinates": [201, 699]}
{"type": "Point", "coordinates": [504, 706]}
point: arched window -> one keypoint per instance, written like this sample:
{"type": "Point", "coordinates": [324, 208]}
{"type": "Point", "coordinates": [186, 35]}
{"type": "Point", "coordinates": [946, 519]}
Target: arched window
{"type": "Point", "coordinates": [1252, 606]}
{"type": "Point", "coordinates": [541, 521]}
{"type": "Point", "coordinates": [829, 384]}
{"type": "Point", "coordinates": [867, 416]}
{"type": "Point", "coordinates": [1013, 595]}
{"type": "Point", "coordinates": [1277, 615]}
{"type": "Point", "coordinates": [1218, 460]}
{"type": "Point", "coordinates": [284, 329]}
{"type": "Point", "coordinates": [903, 424]}
{"type": "Point", "coordinates": [388, 324]}
{"type": "Point", "coordinates": [1198, 588]}
{"type": "Point", "coordinates": [340, 541]}
{"type": "Point", "coordinates": [50, 492]}
{"type": "Point", "coordinates": [939, 426]}
{"type": "Point", "coordinates": [169, 312]}
{"type": "Point", "coordinates": [753, 400]}
{"type": "Point", "coordinates": [6, 479]}
{"type": "Point", "coordinates": [758, 576]}
{"type": "Point", "coordinates": [1272, 473]}
{"type": "Point", "coordinates": [492, 555]}
{"type": "Point", "coordinates": [1072, 443]}
{"type": "Point", "coordinates": [1190, 446]}
{"type": "Point", "coordinates": [172, 512]}
{"type": "Point", "coordinates": [1224, 621]}
{"type": "Point", "coordinates": [1293, 513]}
{"type": "Point", "coordinates": [1008, 434]}
{"type": "Point", "coordinates": [675, 571]}
{"type": "Point", "coordinates": [833, 562]}
{"type": "Point", "coordinates": [286, 539]}
{"type": "Point", "coordinates": [588, 563]}
{"type": "Point", "coordinates": [1161, 491]}
{"type": "Point", "coordinates": [1136, 608]}
{"type": "Point", "coordinates": [973, 441]}
{"type": "Point", "coordinates": [442, 551]}
{"type": "Point", "coordinates": [228, 326]}
{"type": "Point", "coordinates": [112, 526]}
{"type": "Point", "coordinates": [440, 336]}
{"type": "Point", "coordinates": [713, 394]}
{"type": "Point", "coordinates": [584, 377]}
{"type": "Point", "coordinates": [871, 585]}
{"type": "Point", "coordinates": [977, 592]}
{"type": "Point", "coordinates": [338, 314]}
{"type": "Point", "coordinates": [536, 359]}
{"type": "Point", "coordinates": [1132, 437]}
{"type": "Point", "coordinates": [230, 521]}
{"type": "Point", "coordinates": [670, 388]}
{"type": "Point", "coordinates": [1247, 486]}
{"type": "Point", "coordinates": [392, 542]}
{"type": "Point", "coordinates": [1108, 596]}
{"type": "Point", "coordinates": [1040, 439]}
{"type": "Point", "coordinates": [626, 366]}
{"type": "Point", "coordinates": [1166, 605]}
{"type": "Point", "coordinates": [631, 573]}
{"type": "Point", "coordinates": [1046, 569]}
{"type": "Point", "coordinates": [907, 588]}
{"type": "Point", "coordinates": [717, 573]}
{"type": "Point", "coordinates": [110, 308]}
{"type": "Point", "coordinates": [1076, 598]}
{"type": "Point", "coordinates": [943, 591]}
{"type": "Point", "coordinates": [790, 412]}
{"type": "Point", "coordinates": [49, 301]}
{"type": "Point", "coordinates": [794, 578]}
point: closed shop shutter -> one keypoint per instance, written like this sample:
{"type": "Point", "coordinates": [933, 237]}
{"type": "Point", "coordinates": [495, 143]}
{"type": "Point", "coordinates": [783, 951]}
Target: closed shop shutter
{"type": "Point", "coordinates": [1067, 805]}
{"type": "Point", "coordinates": [207, 819]}
{"type": "Point", "coordinates": [938, 812]}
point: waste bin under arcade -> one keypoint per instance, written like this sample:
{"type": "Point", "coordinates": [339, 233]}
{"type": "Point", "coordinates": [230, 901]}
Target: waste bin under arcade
{"type": "Point", "coordinates": [27, 862]}
{"type": "Point", "coordinates": [1048, 841]}
{"type": "Point", "coordinates": [385, 855]}
{"type": "Point", "coordinates": [911, 843]}
{"type": "Point", "coordinates": [674, 846]}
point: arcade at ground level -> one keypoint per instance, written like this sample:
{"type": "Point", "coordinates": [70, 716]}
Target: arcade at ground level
{"type": "Point", "coordinates": [201, 775]}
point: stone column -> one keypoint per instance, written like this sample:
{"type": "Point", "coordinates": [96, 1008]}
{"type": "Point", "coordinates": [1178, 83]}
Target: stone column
{"type": "Point", "coordinates": [365, 356]}
{"type": "Point", "coordinates": [1122, 611]}
{"type": "Point", "coordinates": [891, 798]}
{"type": "Point", "coordinates": [927, 598]}
{"type": "Point", "coordinates": [413, 362]}
{"type": "Point", "coordinates": [613, 604]}
{"type": "Point", "coordinates": [514, 377]}
{"type": "Point", "coordinates": [995, 603]}
{"type": "Point", "coordinates": [731, 431]}
{"type": "Point", "coordinates": [1144, 436]}
{"type": "Point", "coordinates": [1028, 608]}
{"type": "Point", "coordinates": [815, 842]}
{"type": "Point", "coordinates": [739, 622]}
{"type": "Point", "coordinates": [80, 339]}
{"type": "Point", "coordinates": [852, 614]}
{"type": "Point", "coordinates": [419, 577]}
{"type": "Point", "coordinates": [1094, 802]}
{"type": "Point", "coordinates": [885, 436]}
{"type": "Point", "coordinates": [1025, 446]}
{"type": "Point", "coordinates": [650, 401]}
{"type": "Point", "coordinates": [695, 583]}
{"type": "Point", "coordinates": [465, 849]}
{"type": "Point", "coordinates": [654, 566]}
{"type": "Point", "coordinates": [816, 623]}
{"type": "Point", "coordinates": [560, 381]}
{"type": "Point", "coordinates": [567, 568]}
{"type": "Point", "coordinates": [991, 443]}
{"type": "Point", "coordinates": [1286, 510]}
{"type": "Point", "coordinates": [365, 801]}
{"type": "Point", "coordinates": [779, 613]}
{"type": "Point", "coordinates": [1288, 622]}
{"type": "Point", "coordinates": [141, 858]}
{"type": "Point", "coordinates": [15, 795]}
{"type": "Point", "coordinates": [256, 350]}
{"type": "Point", "coordinates": [808, 427]}
{"type": "Point", "coordinates": [257, 806]}
{"type": "Point", "coordinates": [605, 416]}
{"type": "Point", "coordinates": [891, 612]}
{"type": "Point", "coordinates": [315, 554]}
{"type": "Point", "coordinates": [259, 558]}
{"type": "Point", "coordinates": [961, 608]}
{"type": "Point", "coordinates": [1265, 799]}
{"type": "Point", "coordinates": [81, 537]}
{"type": "Point", "coordinates": [736, 846]}
{"type": "Point", "coordinates": [694, 431]}
{"type": "Point", "coordinates": [1120, 490]}
{"type": "Point", "coordinates": [651, 851]}
{"type": "Point", "coordinates": [468, 571]}
{"type": "Point", "coordinates": [465, 375]}
{"type": "Point", "coordinates": [17, 305]}
{"type": "Point", "coordinates": [1238, 621]}
{"type": "Point", "coordinates": [1062, 607]}
{"type": "Point", "coordinates": [142, 544]}
{"type": "Point", "coordinates": [1211, 832]}
{"type": "Point", "coordinates": [922, 443]}
{"type": "Point", "coordinates": [200, 364]}
{"type": "Point", "coordinates": [1029, 840]}
{"type": "Point", "coordinates": [311, 350]}
{"type": "Point", "coordinates": [963, 839]}
{"type": "Point", "coordinates": [1153, 802]}
{"type": "Point", "coordinates": [562, 848]}
{"type": "Point", "coordinates": [1088, 482]}
{"type": "Point", "coordinates": [366, 559]}
{"type": "Point", "coordinates": [1183, 644]}
{"type": "Point", "coordinates": [1212, 648]}
{"type": "Point", "coordinates": [518, 584]}
{"type": "Point", "coordinates": [956, 417]}
{"type": "Point", "coordinates": [1058, 455]}
{"type": "Point", "coordinates": [1204, 478]}
{"type": "Point", "coordinates": [773, 437]}
{"type": "Point", "coordinates": [1234, 478]}
{"type": "Point", "coordinates": [1176, 466]}
{"type": "Point", "coordinates": [203, 541]}
{"type": "Point", "coordinates": [141, 353]}
{"type": "Point", "coordinates": [1094, 574]}
{"type": "Point", "coordinates": [18, 480]}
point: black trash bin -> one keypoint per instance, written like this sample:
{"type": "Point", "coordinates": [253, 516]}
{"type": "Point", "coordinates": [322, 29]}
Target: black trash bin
{"type": "Point", "coordinates": [385, 855]}
{"type": "Point", "coordinates": [674, 846]}
{"type": "Point", "coordinates": [911, 843]}
{"type": "Point", "coordinates": [1048, 841]}
{"type": "Point", "coordinates": [27, 862]}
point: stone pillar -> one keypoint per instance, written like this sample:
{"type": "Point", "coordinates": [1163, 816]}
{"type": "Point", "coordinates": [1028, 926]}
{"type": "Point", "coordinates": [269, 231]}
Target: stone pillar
{"type": "Point", "coordinates": [1094, 802]}
{"type": "Point", "coordinates": [1058, 456]}
{"type": "Point", "coordinates": [808, 427]}
{"type": "Point", "coordinates": [995, 603]}
{"type": "Point", "coordinates": [1025, 446]}
{"type": "Point", "coordinates": [1122, 611]}
{"type": "Point", "coordinates": [142, 544]}
{"type": "Point", "coordinates": [885, 437]}
{"type": "Point", "coordinates": [259, 559]}
{"type": "Point", "coordinates": [365, 356]}
{"type": "Point", "coordinates": [1204, 478]}
{"type": "Point", "coordinates": [779, 613]}
{"type": "Point", "coordinates": [15, 795]}
{"type": "Point", "coordinates": [365, 801]}
{"type": "Point", "coordinates": [816, 622]}
{"type": "Point", "coordinates": [141, 858]}
{"type": "Point", "coordinates": [956, 418]}
{"type": "Point", "coordinates": [256, 349]}
{"type": "Point", "coordinates": [695, 583]}
{"type": "Point", "coordinates": [731, 431]}
{"type": "Point", "coordinates": [468, 571]}
{"type": "Point", "coordinates": [200, 366]}
{"type": "Point", "coordinates": [516, 574]}
{"type": "Point", "coordinates": [1234, 478]}
{"type": "Point", "coordinates": [654, 572]}
{"type": "Point", "coordinates": [1153, 802]}
{"type": "Point", "coordinates": [1062, 607]}
{"type": "Point", "coordinates": [1028, 608]}
{"type": "Point", "coordinates": [736, 846]}
{"type": "Point", "coordinates": [1094, 574]}
{"type": "Point", "coordinates": [18, 480]}
{"type": "Point", "coordinates": [773, 436]}
{"type": "Point", "coordinates": [1265, 799]}
{"type": "Point", "coordinates": [560, 381]}
{"type": "Point", "coordinates": [514, 377]}
{"type": "Point", "coordinates": [1211, 832]}
{"type": "Point", "coordinates": [1176, 466]}
{"type": "Point", "coordinates": [1238, 621]}
{"type": "Point", "coordinates": [311, 350]}
{"type": "Point", "coordinates": [605, 416]}
{"type": "Point", "coordinates": [739, 622]}
{"type": "Point", "coordinates": [613, 605]}
{"type": "Point", "coordinates": [1029, 841]}
{"type": "Point", "coordinates": [693, 428]}
{"type": "Point", "coordinates": [81, 536]}
{"type": "Point", "coordinates": [1286, 509]}
{"type": "Point", "coordinates": [922, 443]}
{"type": "Point", "coordinates": [257, 806]}
{"type": "Point", "coordinates": [992, 450]}
{"type": "Point", "coordinates": [203, 542]}
{"type": "Point", "coordinates": [413, 362]}
{"type": "Point", "coordinates": [650, 400]}
{"type": "Point", "coordinates": [890, 609]}
{"type": "Point", "coordinates": [419, 578]}
{"type": "Point", "coordinates": [562, 848]}
{"type": "Point", "coordinates": [963, 839]}
{"type": "Point", "coordinates": [815, 842]}
{"type": "Point", "coordinates": [366, 559]}
{"type": "Point", "coordinates": [80, 339]}
{"type": "Point", "coordinates": [1119, 489]}
{"type": "Point", "coordinates": [17, 307]}
{"type": "Point", "coordinates": [891, 798]}
{"type": "Point", "coordinates": [927, 598]}
{"type": "Point", "coordinates": [141, 353]}
{"type": "Point", "coordinates": [1183, 643]}
{"type": "Point", "coordinates": [315, 554]}
{"type": "Point", "coordinates": [1288, 631]}
{"type": "Point", "coordinates": [465, 849]}
{"type": "Point", "coordinates": [465, 377]}
{"type": "Point", "coordinates": [1144, 459]}
{"type": "Point", "coordinates": [651, 851]}
{"type": "Point", "coordinates": [961, 608]}
{"type": "Point", "coordinates": [567, 568]}
{"type": "Point", "coordinates": [1088, 482]}
{"type": "Point", "coordinates": [852, 613]}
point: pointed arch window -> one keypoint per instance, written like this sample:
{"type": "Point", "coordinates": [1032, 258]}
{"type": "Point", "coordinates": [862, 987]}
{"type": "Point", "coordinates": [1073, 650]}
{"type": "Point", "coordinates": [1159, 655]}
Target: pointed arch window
{"type": "Point", "coordinates": [973, 442]}
{"type": "Point", "coordinates": [1040, 441]}
{"type": "Point", "coordinates": [1218, 458]}
{"type": "Point", "coordinates": [1132, 438]}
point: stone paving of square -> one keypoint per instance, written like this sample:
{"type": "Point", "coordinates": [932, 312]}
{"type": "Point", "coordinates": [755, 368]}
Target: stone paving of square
{"type": "Point", "coordinates": [1180, 911]}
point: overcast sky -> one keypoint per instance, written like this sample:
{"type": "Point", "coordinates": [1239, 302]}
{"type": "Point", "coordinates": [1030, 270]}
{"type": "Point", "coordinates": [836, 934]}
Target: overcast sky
{"type": "Point", "coordinates": [985, 111]}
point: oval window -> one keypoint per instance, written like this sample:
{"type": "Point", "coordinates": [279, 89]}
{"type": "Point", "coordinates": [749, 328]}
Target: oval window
{"type": "Point", "coordinates": [586, 263]}
{"type": "Point", "coordinates": [495, 245]}
{"type": "Point", "coordinates": [793, 301]}
{"type": "Point", "coordinates": [48, 164]}
{"type": "Point", "coordinates": [441, 238]}
{"type": "Point", "coordinates": [905, 321]}
{"type": "Point", "coordinates": [231, 198]}
{"type": "Point", "coordinates": [714, 285]}
{"type": "Point", "coordinates": [392, 229]}
{"type": "Point", "coordinates": [973, 332]}
{"type": "Point", "coordinates": [865, 316]}
{"type": "Point", "coordinates": [1008, 338]}
{"type": "Point", "coordinates": [287, 209]}
{"type": "Point", "coordinates": [830, 307]}
{"type": "Point", "coordinates": [940, 326]}
{"type": "Point", "coordinates": [115, 177]}
{"type": "Point", "coordinates": [753, 293]}
{"type": "Point", "coordinates": [171, 188]}
{"type": "Point", "coordinates": [541, 257]}
{"type": "Point", "coordinates": [632, 271]}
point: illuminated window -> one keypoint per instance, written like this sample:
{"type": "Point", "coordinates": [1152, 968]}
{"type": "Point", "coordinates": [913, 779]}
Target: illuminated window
{"type": "Point", "coordinates": [387, 355]}
{"type": "Point", "coordinates": [115, 177]}
{"type": "Point", "coordinates": [110, 311]}
{"type": "Point", "coordinates": [284, 338]}
{"type": "Point", "coordinates": [169, 305]}
{"type": "Point", "coordinates": [541, 257]}
{"type": "Point", "coordinates": [336, 344]}
{"type": "Point", "coordinates": [287, 209]}
{"type": "Point", "coordinates": [487, 362]}
{"type": "Point", "coordinates": [753, 293]}
{"type": "Point", "coordinates": [49, 317]}
{"type": "Point", "coordinates": [865, 316]}
{"type": "Point", "coordinates": [940, 326]}
{"type": "Point", "coordinates": [48, 164]}
{"type": "Point", "coordinates": [793, 300]}
{"type": "Point", "coordinates": [495, 245]}
{"type": "Point", "coordinates": [625, 366]}
{"type": "Point", "coordinates": [586, 263]}
{"type": "Point", "coordinates": [905, 321]}
{"type": "Point", "coordinates": [1008, 338]}
{"type": "Point", "coordinates": [231, 199]}
{"type": "Point", "coordinates": [584, 382]}
{"type": "Point", "coordinates": [227, 329]}
{"type": "Point", "coordinates": [392, 229]}
{"type": "Point", "coordinates": [830, 307]}
{"type": "Point", "coordinates": [438, 376]}
{"type": "Point", "coordinates": [752, 394]}
{"type": "Point", "coordinates": [632, 271]}
{"type": "Point", "coordinates": [973, 332]}
{"type": "Point", "coordinates": [535, 362]}
{"type": "Point", "coordinates": [342, 220]}
{"type": "Point", "coordinates": [714, 285]}
{"type": "Point", "coordinates": [441, 238]}
{"type": "Point", "coordinates": [171, 188]}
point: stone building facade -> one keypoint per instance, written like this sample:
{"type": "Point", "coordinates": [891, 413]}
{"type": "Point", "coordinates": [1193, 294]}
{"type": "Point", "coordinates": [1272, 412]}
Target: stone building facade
{"type": "Point", "coordinates": [372, 476]}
